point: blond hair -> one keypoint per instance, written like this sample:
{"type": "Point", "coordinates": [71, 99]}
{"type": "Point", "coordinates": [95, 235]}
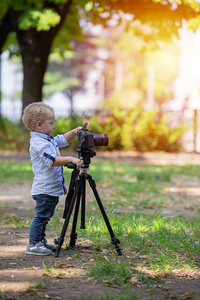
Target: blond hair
{"type": "Point", "coordinates": [34, 112]}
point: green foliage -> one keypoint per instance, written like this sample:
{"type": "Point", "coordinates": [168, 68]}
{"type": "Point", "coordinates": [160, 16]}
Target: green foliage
{"type": "Point", "coordinates": [194, 23]}
{"type": "Point", "coordinates": [127, 130]}
{"type": "Point", "coordinates": [4, 5]}
{"type": "Point", "coordinates": [111, 125]}
{"type": "Point", "coordinates": [63, 125]}
{"type": "Point", "coordinates": [12, 137]}
{"type": "Point", "coordinates": [39, 19]}
{"type": "Point", "coordinates": [54, 82]}
{"type": "Point", "coordinates": [139, 130]}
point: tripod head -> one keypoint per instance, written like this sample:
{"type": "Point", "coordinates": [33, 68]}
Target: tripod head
{"type": "Point", "coordinates": [86, 156]}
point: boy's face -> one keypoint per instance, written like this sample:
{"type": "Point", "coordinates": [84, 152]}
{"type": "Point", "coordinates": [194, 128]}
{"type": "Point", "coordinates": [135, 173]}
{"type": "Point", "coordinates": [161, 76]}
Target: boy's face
{"type": "Point", "coordinates": [47, 126]}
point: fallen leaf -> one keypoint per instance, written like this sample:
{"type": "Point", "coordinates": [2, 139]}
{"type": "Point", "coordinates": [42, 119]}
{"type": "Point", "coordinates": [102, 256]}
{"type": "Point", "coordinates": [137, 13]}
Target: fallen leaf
{"type": "Point", "coordinates": [64, 265]}
{"type": "Point", "coordinates": [151, 207]}
{"type": "Point", "coordinates": [104, 250]}
{"type": "Point", "coordinates": [35, 291]}
{"type": "Point", "coordinates": [35, 268]}
{"type": "Point", "coordinates": [133, 280]}
{"type": "Point", "coordinates": [60, 275]}
{"type": "Point", "coordinates": [90, 278]}
{"type": "Point", "coordinates": [191, 208]}
{"type": "Point", "coordinates": [185, 296]}
{"type": "Point", "coordinates": [86, 251]}
{"type": "Point", "coordinates": [112, 286]}
{"type": "Point", "coordinates": [81, 245]}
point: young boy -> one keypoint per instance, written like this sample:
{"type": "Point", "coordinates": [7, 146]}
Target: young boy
{"type": "Point", "coordinates": [48, 183]}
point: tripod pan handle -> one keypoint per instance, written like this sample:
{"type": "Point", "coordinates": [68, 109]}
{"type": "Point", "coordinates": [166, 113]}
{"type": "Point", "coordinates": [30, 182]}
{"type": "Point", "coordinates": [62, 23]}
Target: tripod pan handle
{"type": "Point", "coordinates": [71, 166]}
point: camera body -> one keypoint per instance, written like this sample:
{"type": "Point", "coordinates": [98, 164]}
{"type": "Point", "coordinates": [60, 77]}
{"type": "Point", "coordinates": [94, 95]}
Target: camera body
{"type": "Point", "coordinates": [87, 140]}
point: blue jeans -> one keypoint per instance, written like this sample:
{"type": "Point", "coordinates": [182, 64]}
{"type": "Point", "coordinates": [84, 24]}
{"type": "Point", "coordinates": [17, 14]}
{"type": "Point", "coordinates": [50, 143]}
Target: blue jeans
{"type": "Point", "coordinates": [44, 210]}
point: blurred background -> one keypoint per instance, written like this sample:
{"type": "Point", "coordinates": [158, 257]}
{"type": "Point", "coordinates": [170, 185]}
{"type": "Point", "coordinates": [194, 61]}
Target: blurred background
{"type": "Point", "coordinates": [130, 68]}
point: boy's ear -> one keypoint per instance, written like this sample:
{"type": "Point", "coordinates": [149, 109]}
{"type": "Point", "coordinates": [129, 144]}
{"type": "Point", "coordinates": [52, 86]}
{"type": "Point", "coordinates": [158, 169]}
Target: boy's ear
{"type": "Point", "coordinates": [39, 124]}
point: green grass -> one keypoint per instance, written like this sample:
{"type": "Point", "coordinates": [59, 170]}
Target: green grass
{"type": "Point", "coordinates": [13, 220]}
{"type": "Point", "coordinates": [121, 296]}
{"type": "Point", "coordinates": [19, 172]}
{"type": "Point", "coordinates": [41, 284]}
{"type": "Point", "coordinates": [160, 243]}
{"type": "Point", "coordinates": [109, 172]}
{"type": "Point", "coordinates": [113, 272]}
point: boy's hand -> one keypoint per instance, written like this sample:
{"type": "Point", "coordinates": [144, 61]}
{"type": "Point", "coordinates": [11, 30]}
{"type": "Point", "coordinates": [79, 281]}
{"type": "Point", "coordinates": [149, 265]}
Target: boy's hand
{"type": "Point", "coordinates": [78, 129]}
{"type": "Point", "coordinates": [77, 162]}
{"type": "Point", "coordinates": [69, 136]}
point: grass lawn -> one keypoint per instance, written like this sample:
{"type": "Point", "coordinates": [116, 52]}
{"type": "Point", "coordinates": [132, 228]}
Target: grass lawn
{"type": "Point", "coordinates": [135, 197]}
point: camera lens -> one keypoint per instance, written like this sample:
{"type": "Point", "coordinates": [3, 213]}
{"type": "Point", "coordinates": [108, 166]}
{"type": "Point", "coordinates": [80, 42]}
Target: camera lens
{"type": "Point", "coordinates": [100, 140]}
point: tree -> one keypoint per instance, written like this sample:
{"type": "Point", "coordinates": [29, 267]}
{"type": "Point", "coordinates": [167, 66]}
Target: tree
{"type": "Point", "coordinates": [36, 24]}
{"type": "Point", "coordinates": [35, 44]}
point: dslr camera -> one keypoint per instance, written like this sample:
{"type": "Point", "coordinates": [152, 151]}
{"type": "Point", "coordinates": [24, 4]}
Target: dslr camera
{"type": "Point", "coordinates": [87, 140]}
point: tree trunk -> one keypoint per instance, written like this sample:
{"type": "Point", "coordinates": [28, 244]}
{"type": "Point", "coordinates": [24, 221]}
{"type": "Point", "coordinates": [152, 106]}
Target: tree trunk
{"type": "Point", "coordinates": [35, 47]}
{"type": "Point", "coordinates": [34, 59]}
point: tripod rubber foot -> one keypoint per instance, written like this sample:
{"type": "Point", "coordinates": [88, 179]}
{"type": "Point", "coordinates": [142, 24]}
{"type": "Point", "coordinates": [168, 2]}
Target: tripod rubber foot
{"type": "Point", "coordinates": [119, 251]}
{"type": "Point", "coordinates": [73, 240]}
{"type": "Point", "coordinates": [57, 252]}
{"type": "Point", "coordinates": [116, 243]}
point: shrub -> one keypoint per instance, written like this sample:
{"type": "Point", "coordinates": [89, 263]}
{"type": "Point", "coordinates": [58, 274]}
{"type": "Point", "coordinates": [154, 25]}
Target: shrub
{"type": "Point", "coordinates": [135, 129]}
{"type": "Point", "coordinates": [12, 137]}
{"type": "Point", "coordinates": [63, 125]}
{"type": "Point", "coordinates": [139, 130]}
{"type": "Point", "coordinates": [150, 131]}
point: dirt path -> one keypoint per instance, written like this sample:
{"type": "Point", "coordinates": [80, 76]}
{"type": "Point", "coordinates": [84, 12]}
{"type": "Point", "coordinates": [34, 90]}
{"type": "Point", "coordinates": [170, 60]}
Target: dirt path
{"type": "Point", "coordinates": [31, 277]}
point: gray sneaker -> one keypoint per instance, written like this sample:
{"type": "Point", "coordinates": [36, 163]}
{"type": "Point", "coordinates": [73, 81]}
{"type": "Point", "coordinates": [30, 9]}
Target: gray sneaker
{"type": "Point", "coordinates": [38, 249]}
{"type": "Point", "coordinates": [49, 246]}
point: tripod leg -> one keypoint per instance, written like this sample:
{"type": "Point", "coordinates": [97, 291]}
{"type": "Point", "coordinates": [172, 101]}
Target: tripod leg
{"type": "Point", "coordinates": [114, 240]}
{"type": "Point", "coordinates": [83, 203]}
{"type": "Point", "coordinates": [60, 240]}
{"type": "Point", "coordinates": [70, 191]}
{"type": "Point", "coordinates": [73, 235]}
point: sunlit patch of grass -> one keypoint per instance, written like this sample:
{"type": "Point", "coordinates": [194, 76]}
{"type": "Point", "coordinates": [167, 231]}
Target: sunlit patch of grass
{"type": "Point", "coordinates": [20, 171]}
{"type": "Point", "coordinates": [115, 272]}
{"type": "Point", "coordinates": [103, 170]}
{"type": "Point", "coordinates": [167, 242]}
{"type": "Point", "coordinates": [13, 220]}
{"type": "Point", "coordinates": [163, 243]}
{"type": "Point", "coordinates": [52, 270]}
{"type": "Point", "coordinates": [156, 174]}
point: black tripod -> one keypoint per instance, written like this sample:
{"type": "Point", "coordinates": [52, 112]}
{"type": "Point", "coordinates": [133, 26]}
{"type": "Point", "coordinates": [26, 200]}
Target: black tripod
{"type": "Point", "coordinates": [76, 193]}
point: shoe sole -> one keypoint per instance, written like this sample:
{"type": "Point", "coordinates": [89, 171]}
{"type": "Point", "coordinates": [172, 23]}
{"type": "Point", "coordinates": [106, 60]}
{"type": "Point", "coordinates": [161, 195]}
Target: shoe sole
{"type": "Point", "coordinates": [35, 253]}
{"type": "Point", "coordinates": [53, 250]}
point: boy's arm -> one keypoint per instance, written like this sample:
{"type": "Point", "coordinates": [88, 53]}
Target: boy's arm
{"type": "Point", "coordinates": [69, 136]}
{"type": "Point", "coordinates": [64, 160]}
